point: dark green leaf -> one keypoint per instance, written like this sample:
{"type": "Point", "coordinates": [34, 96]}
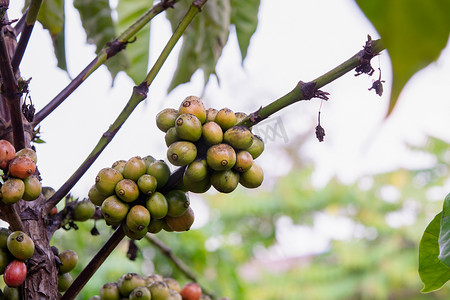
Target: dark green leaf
{"type": "Point", "coordinates": [244, 16]}
{"type": "Point", "coordinates": [100, 29]}
{"type": "Point", "coordinates": [444, 234]}
{"type": "Point", "coordinates": [414, 33]}
{"type": "Point", "coordinates": [203, 40]}
{"type": "Point", "coordinates": [136, 52]}
{"type": "Point", "coordinates": [433, 273]}
{"type": "Point", "coordinates": [51, 16]}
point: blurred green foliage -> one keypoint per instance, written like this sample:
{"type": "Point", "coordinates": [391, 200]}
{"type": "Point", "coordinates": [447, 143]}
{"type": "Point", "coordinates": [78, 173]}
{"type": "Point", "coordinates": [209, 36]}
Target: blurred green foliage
{"type": "Point", "coordinates": [237, 252]}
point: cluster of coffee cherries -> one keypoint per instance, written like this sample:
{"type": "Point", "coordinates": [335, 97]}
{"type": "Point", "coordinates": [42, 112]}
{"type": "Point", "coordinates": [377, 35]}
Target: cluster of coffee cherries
{"type": "Point", "coordinates": [15, 249]}
{"type": "Point", "coordinates": [19, 180]}
{"type": "Point", "coordinates": [129, 193]}
{"type": "Point", "coordinates": [215, 149]}
{"type": "Point", "coordinates": [134, 286]}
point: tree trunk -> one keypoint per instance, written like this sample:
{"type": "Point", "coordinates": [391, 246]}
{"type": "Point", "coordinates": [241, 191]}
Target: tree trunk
{"type": "Point", "coordinates": [41, 281]}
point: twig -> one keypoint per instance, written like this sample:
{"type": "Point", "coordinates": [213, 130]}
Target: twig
{"type": "Point", "coordinates": [109, 51]}
{"type": "Point", "coordinates": [94, 264]}
{"type": "Point", "coordinates": [30, 20]}
{"type": "Point", "coordinates": [10, 215]}
{"type": "Point", "coordinates": [139, 94]}
{"type": "Point", "coordinates": [308, 90]}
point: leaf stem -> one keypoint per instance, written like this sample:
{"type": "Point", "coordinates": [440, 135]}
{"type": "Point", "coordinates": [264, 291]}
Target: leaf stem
{"type": "Point", "coordinates": [107, 52]}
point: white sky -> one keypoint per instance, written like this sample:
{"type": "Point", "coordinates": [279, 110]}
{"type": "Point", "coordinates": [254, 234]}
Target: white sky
{"type": "Point", "coordinates": [296, 40]}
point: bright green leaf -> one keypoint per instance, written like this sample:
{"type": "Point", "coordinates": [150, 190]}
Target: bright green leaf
{"type": "Point", "coordinates": [433, 273]}
{"type": "Point", "coordinates": [414, 33]}
{"type": "Point", "coordinates": [137, 52]}
{"type": "Point", "coordinates": [244, 16]}
{"type": "Point", "coordinates": [100, 29]}
{"type": "Point", "coordinates": [203, 41]}
{"type": "Point", "coordinates": [444, 234]}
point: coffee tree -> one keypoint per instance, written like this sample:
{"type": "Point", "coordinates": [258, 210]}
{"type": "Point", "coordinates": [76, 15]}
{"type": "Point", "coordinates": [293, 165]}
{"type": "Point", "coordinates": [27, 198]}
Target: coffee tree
{"type": "Point", "coordinates": [211, 147]}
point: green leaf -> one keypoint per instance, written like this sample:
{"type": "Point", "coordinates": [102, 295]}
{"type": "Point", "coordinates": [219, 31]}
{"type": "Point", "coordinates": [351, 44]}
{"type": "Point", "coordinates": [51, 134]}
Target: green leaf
{"type": "Point", "coordinates": [100, 29]}
{"type": "Point", "coordinates": [137, 52]}
{"type": "Point", "coordinates": [433, 273]}
{"type": "Point", "coordinates": [203, 40]}
{"type": "Point", "coordinates": [51, 16]}
{"type": "Point", "coordinates": [444, 234]}
{"type": "Point", "coordinates": [244, 16]}
{"type": "Point", "coordinates": [414, 33]}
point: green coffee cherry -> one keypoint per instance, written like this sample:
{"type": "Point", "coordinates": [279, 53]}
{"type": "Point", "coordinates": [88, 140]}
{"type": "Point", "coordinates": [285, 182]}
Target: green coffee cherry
{"type": "Point", "coordinates": [171, 136]}
{"type": "Point", "coordinates": [119, 165]}
{"type": "Point", "coordinates": [257, 147]}
{"type": "Point", "coordinates": [225, 118]}
{"type": "Point", "coordinates": [183, 222]}
{"type": "Point", "coordinates": [188, 127]}
{"type": "Point", "coordinates": [110, 291]}
{"type": "Point", "coordinates": [239, 137]}
{"type": "Point", "coordinates": [138, 218]}
{"type": "Point", "coordinates": [221, 157]}
{"type": "Point", "coordinates": [166, 119]}
{"type": "Point", "coordinates": [198, 187]}
{"type": "Point", "coordinates": [140, 293]}
{"type": "Point", "coordinates": [134, 235]}
{"type": "Point", "coordinates": [193, 105]}
{"type": "Point", "coordinates": [114, 210]}
{"type": "Point", "coordinates": [159, 290]}
{"type": "Point", "coordinates": [83, 210]}
{"type": "Point", "coordinates": [134, 168]}
{"type": "Point", "coordinates": [240, 116]}
{"type": "Point", "coordinates": [33, 188]}
{"type": "Point", "coordinates": [129, 282]}
{"type": "Point", "coordinates": [253, 177]}
{"type": "Point", "coordinates": [106, 180]}
{"type": "Point", "coordinates": [127, 190]}
{"type": "Point", "coordinates": [225, 181]}
{"type": "Point", "coordinates": [65, 280]}
{"type": "Point", "coordinates": [160, 170]}
{"type": "Point", "coordinates": [95, 196]}
{"type": "Point", "coordinates": [4, 233]}
{"type": "Point", "coordinates": [69, 260]}
{"type": "Point", "coordinates": [20, 245]}
{"type": "Point", "coordinates": [172, 284]}
{"type": "Point", "coordinates": [212, 133]}
{"type": "Point", "coordinates": [5, 258]}
{"type": "Point", "coordinates": [147, 184]}
{"type": "Point", "coordinates": [178, 203]}
{"type": "Point", "coordinates": [148, 159]}
{"type": "Point", "coordinates": [157, 205]}
{"type": "Point", "coordinates": [12, 190]}
{"type": "Point", "coordinates": [181, 153]}
{"type": "Point", "coordinates": [197, 170]}
{"type": "Point", "coordinates": [156, 225]}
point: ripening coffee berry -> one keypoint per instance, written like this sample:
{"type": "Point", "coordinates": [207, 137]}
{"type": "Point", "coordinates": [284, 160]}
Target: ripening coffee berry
{"type": "Point", "coordinates": [140, 293]}
{"type": "Point", "coordinates": [159, 290]}
{"type": "Point", "coordinates": [166, 118]}
{"type": "Point", "coordinates": [244, 161]}
{"type": "Point", "coordinates": [21, 167]}
{"type": "Point", "coordinates": [181, 153]}
{"type": "Point", "coordinates": [225, 118]}
{"type": "Point", "coordinates": [114, 210]}
{"type": "Point", "coordinates": [65, 280]}
{"type": "Point", "coordinates": [106, 180]}
{"type": "Point", "coordinates": [191, 291]}
{"type": "Point", "coordinates": [138, 218]}
{"type": "Point", "coordinates": [221, 157]}
{"type": "Point", "coordinates": [183, 222]}
{"type": "Point", "coordinates": [119, 165]}
{"type": "Point", "coordinates": [109, 291]}
{"type": "Point", "coordinates": [95, 196]}
{"type": "Point", "coordinates": [240, 116]}
{"type": "Point", "coordinates": [83, 210]}
{"type": "Point", "coordinates": [172, 284]}
{"type": "Point", "coordinates": [134, 168]}
{"type": "Point", "coordinates": [129, 282]}
{"type": "Point", "coordinates": [171, 136]}
{"type": "Point", "coordinates": [33, 188]}
{"type": "Point", "coordinates": [7, 152]}
{"type": "Point", "coordinates": [134, 235]}
{"type": "Point", "coordinates": [193, 105]}
{"type": "Point", "coordinates": [127, 190]}
{"type": "Point", "coordinates": [211, 114]}
{"type": "Point", "coordinates": [225, 181]}
{"type": "Point", "coordinates": [212, 133]}
{"type": "Point", "coordinates": [69, 260]}
{"type": "Point", "coordinates": [253, 177]}
{"type": "Point", "coordinates": [147, 184]}
{"type": "Point", "coordinates": [199, 187]}
{"type": "Point", "coordinates": [239, 137]}
{"type": "Point", "coordinates": [12, 190]}
{"type": "Point", "coordinates": [15, 273]}
{"type": "Point", "coordinates": [257, 147]}
{"type": "Point", "coordinates": [197, 170]}
{"type": "Point", "coordinates": [188, 127]}
{"type": "Point", "coordinates": [178, 203]}
{"type": "Point", "coordinates": [156, 225]}
{"type": "Point", "coordinates": [20, 245]}
{"type": "Point", "coordinates": [27, 152]}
